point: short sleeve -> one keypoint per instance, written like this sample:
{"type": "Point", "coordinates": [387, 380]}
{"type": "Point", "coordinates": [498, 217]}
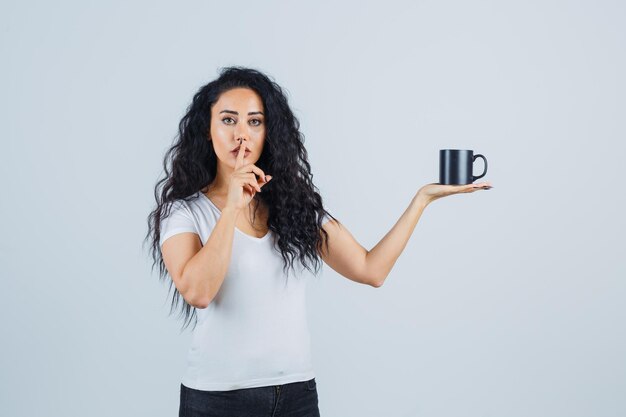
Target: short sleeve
{"type": "Point", "coordinates": [179, 220]}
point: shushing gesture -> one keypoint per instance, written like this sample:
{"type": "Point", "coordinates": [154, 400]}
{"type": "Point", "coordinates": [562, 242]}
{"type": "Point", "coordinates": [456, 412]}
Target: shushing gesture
{"type": "Point", "coordinates": [243, 182]}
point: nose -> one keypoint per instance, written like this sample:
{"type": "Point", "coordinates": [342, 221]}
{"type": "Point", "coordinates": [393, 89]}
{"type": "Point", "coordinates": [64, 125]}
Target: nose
{"type": "Point", "coordinates": [241, 133]}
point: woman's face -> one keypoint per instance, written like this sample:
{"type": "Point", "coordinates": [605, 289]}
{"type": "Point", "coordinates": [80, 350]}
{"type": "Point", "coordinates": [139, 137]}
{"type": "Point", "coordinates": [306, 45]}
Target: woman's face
{"type": "Point", "coordinates": [238, 113]}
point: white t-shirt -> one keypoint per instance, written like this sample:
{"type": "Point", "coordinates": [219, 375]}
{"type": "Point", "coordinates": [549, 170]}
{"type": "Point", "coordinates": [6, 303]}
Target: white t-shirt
{"type": "Point", "coordinates": [254, 332]}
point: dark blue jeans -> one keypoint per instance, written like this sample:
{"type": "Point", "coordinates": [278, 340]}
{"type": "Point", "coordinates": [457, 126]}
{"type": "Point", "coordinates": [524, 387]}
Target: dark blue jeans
{"type": "Point", "coordinates": [296, 399]}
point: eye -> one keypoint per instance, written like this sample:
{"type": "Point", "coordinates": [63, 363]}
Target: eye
{"type": "Point", "coordinates": [227, 118]}
{"type": "Point", "coordinates": [257, 120]}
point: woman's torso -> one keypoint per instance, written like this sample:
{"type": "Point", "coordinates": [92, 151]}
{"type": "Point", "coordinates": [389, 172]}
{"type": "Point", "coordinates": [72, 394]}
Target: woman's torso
{"type": "Point", "coordinates": [255, 331]}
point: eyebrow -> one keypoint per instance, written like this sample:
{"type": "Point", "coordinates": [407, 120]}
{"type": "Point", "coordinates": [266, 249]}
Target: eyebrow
{"type": "Point", "coordinates": [234, 112]}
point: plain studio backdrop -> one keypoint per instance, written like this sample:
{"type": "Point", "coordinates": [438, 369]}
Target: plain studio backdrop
{"type": "Point", "coordinates": [507, 302]}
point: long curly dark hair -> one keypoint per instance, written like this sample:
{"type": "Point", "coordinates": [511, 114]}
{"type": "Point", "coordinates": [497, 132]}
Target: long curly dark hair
{"type": "Point", "coordinates": [295, 207]}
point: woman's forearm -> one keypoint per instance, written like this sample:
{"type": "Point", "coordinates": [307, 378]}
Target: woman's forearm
{"type": "Point", "coordinates": [381, 258]}
{"type": "Point", "coordinates": [205, 272]}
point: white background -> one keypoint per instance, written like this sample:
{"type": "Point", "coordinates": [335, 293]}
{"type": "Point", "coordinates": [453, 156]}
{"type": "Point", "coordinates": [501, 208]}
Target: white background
{"type": "Point", "coordinates": [507, 302]}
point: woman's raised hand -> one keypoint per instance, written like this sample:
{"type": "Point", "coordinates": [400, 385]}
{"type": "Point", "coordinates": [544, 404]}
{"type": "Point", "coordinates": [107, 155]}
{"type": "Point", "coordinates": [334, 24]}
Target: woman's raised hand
{"type": "Point", "coordinates": [243, 183]}
{"type": "Point", "coordinates": [432, 192]}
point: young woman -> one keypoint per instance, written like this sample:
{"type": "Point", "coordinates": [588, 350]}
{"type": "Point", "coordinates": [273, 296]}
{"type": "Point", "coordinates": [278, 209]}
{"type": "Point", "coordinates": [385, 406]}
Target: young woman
{"type": "Point", "coordinates": [237, 208]}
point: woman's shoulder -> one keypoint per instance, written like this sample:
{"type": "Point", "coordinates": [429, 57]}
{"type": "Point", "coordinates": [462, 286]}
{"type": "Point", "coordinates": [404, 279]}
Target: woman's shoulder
{"type": "Point", "coordinates": [183, 202]}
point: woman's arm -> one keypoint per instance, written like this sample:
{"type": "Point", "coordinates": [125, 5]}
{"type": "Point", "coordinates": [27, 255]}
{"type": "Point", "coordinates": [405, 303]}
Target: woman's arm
{"type": "Point", "coordinates": [350, 259]}
{"type": "Point", "coordinates": [382, 257]}
{"type": "Point", "coordinates": [346, 256]}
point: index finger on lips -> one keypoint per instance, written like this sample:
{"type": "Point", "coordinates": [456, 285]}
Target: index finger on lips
{"type": "Point", "coordinates": [240, 155]}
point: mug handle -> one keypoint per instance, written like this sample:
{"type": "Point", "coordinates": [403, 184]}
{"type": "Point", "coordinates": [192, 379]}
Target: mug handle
{"type": "Point", "coordinates": [483, 174]}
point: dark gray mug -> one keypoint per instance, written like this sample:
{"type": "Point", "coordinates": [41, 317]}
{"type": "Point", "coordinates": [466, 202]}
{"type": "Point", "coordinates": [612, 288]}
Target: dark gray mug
{"type": "Point", "coordinates": [456, 166]}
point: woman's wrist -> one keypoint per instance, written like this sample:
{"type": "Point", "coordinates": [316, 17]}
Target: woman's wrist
{"type": "Point", "coordinates": [421, 200]}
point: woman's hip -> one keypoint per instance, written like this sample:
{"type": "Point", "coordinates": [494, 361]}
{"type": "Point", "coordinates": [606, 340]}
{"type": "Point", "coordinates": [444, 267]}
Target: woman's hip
{"type": "Point", "coordinates": [295, 399]}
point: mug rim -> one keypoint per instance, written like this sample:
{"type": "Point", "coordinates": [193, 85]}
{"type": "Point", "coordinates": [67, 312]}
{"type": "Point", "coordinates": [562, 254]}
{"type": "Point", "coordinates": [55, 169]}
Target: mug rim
{"type": "Point", "coordinates": [465, 150]}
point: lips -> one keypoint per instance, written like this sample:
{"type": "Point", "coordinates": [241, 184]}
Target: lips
{"type": "Point", "coordinates": [236, 152]}
{"type": "Point", "coordinates": [239, 147]}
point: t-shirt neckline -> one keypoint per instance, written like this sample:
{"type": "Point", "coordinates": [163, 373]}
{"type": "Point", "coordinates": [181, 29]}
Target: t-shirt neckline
{"type": "Point", "coordinates": [260, 239]}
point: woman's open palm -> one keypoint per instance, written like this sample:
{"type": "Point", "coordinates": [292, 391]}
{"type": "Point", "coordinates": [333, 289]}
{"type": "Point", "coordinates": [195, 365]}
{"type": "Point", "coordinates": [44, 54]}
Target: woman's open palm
{"type": "Point", "coordinates": [434, 191]}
